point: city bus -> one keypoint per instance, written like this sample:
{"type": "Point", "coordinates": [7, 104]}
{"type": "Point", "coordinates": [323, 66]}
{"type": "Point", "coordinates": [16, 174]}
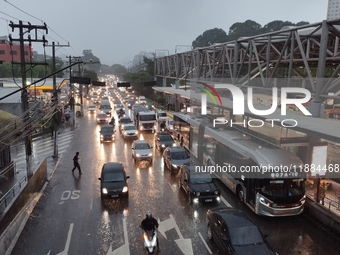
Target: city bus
{"type": "Point", "coordinates": [268, 179]}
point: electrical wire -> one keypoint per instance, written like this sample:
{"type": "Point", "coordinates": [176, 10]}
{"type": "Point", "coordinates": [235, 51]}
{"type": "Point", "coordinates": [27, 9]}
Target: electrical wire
{"type": "Point", "coordinates": [23, 11]}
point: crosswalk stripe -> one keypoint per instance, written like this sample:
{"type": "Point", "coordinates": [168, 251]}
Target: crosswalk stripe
{"type": "Point", "coordinates": [43, 147]}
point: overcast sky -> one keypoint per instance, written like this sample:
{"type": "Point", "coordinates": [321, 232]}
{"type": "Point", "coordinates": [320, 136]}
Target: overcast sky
{"type": "Point", "coordinates": [116, 31]}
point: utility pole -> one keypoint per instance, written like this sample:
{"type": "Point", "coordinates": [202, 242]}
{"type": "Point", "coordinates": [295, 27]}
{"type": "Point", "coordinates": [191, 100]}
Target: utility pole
{"type": "Point", "coordinates": [24, 93]}
{"type": "Point", "coordinates": [74, 112]}
{"type": "Point", "coordinates": [55, 96]}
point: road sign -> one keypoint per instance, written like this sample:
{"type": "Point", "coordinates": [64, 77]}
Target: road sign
{"type": "Point", "coordinates": [98, 84]}
{"type": "Point", "coordinates": [123, 84]}
{"type": "Point", "coordinates": [80, 80]}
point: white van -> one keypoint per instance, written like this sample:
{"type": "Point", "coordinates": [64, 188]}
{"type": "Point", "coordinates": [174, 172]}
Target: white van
{"type": "Point", "coordinates": [169, 125]}
{"type": "Point", "coordinates": [142, 100]}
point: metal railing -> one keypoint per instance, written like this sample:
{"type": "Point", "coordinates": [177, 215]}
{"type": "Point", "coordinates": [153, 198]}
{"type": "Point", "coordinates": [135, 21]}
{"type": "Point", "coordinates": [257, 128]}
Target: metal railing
{"type": "Point", "coordinates": [7, 198]}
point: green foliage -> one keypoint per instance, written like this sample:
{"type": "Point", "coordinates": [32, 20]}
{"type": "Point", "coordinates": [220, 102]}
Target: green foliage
{"type": "Point", "coordinates": [240, 29]}
{"type": "Point", "coordinates": [92, 62]}
{"type": "Point", "coordinates": [91, 74]}
{"type": "Point", "coordinates": [209, 37]}
{"type": "Point", "coordinates": [136, 80]}
{"type": "Point", "coordinates": [118, 69]}
{"type": "Point", "coordinates": [150, 68]}
{"type": "Point", "coordinates": [247, 28]}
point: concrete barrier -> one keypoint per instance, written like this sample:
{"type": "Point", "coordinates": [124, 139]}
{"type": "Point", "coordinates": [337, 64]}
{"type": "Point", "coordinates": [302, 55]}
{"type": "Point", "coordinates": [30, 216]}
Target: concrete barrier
{"type": "Point", "coordinates": [321, 214]}
{"type": "Point", "coordinates": [14, 218]}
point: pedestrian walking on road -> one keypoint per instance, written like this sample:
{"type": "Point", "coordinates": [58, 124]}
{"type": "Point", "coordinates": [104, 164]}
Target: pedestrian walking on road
{"type": "Point", "coordinates": [76, 163]}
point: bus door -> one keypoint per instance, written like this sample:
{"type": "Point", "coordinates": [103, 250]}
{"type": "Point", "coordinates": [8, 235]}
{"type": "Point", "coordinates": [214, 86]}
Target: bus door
{"type": "Point", "coordinates": [251, 185]}
{"type": "Point", "coordinates": [201, 129]}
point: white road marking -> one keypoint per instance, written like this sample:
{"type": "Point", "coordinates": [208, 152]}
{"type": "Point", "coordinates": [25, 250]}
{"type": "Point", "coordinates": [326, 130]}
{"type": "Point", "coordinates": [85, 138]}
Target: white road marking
{"type": "Point", "coordinates": [91, 204]}
{"type": "Point", "coordinates": [172, 187]}
{"type": "Point", "coordinates": [68, 241]}
{"type": "Point", "coordinates": [225, 202]}
{"type": "Point", "coordinates": [205, 243]}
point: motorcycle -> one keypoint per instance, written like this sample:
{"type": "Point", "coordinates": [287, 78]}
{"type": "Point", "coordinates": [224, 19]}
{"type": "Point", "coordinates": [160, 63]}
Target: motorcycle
{"type": "Point", "coordinates": [120, 114]}
{"type": "Point", "coordinates": [112, 122]}
{"type": "Point", "coordinates": [150, 241]}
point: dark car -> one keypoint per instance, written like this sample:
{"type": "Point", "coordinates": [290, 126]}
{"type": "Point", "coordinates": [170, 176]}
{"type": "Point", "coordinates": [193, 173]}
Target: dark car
{"type": "Point", "coordinates": [113, 181]}
{"type": "Point", "coordinates": [107, 133]}
{"type": "Point", "coordinates": [174, 157]}
{"type": "Point", "coordinates": [163, 140]}
{"type": "Point", "coordinates": [199, 186]}
{"type": "Point", "coordinates": [122, 121]}
{"type": "Point", "coordinates": [235, 233]}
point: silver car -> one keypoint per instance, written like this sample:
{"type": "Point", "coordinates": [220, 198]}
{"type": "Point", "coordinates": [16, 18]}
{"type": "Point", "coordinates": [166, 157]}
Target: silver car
{"type": "Point", "coordinates": [129, 131]}
{"type": "Point", "coordinates": [141, 150]}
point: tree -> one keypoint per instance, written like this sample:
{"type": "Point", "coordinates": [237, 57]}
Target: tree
{"type": "Point", "coordinates": [136, 81]}
{"type": "Point", "coordinates": [150, 65]}
{"type": "Point", "coordinates": [276, 25]}
{"type": "Point", "coordinates": [118, 69]}
{"type": "Point", "coordinates": [209, 37]}
{"type": "Point", "coordinates": [245, 29]}
{"type": "Point", "coordinates": [90, 58]}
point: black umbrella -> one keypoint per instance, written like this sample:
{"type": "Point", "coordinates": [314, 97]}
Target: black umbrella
{"type": "Point", "coordinates": [3, 179]}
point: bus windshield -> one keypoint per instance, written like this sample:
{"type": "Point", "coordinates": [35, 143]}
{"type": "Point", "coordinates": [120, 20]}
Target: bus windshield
{"type": "Point", "coordinates": [147, 117]}
{"type": "Point", "coordinates": [283, 188]}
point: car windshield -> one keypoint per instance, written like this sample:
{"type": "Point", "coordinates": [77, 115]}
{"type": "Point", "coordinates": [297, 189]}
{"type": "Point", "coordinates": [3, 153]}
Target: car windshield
{"type": "Point", "coordinates": [92, 107]}
{"type": "Point", "coordinates": [247, 235]}
{"type": "Point", "coordinates": [130, 128]}
{"type": "Point", "coordinates": [125, 121]}
{"type": "Point", "coordinates": [198, 178]}
{"type": "Point", "coordinates": [142, 146]}
{"type": "Point", "coordinates": [113, 177]}
{"type": "Point", "coordinates": [165, 138]}
{"type": "Point", "coordinates": [162, 114]}
{"type": "Point", "coordinates": [179, 155]}
{"type": "Point", "coordinates": [102, 115]}
{"type": "Point", "coordinates": [170, 122]}
{"type": "Point", "coordinates": [107, 130]}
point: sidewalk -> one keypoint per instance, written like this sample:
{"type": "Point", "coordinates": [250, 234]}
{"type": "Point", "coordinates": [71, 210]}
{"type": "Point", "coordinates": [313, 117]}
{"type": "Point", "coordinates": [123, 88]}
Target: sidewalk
{"type": "Point", "coordinates": [14, 185]}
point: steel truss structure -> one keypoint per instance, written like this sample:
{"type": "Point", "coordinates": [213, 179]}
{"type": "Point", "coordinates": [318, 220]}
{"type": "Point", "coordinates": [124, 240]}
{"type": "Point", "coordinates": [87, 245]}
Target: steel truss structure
{"type": "Point", "coordinates": [306, 56]}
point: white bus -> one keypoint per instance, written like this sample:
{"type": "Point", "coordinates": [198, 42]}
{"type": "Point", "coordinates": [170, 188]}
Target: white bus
{"type": "Point", "coordinates": [267, 178]}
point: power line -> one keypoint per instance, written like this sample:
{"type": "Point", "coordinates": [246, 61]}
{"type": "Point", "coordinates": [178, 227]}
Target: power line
{"type": "Point", "coordinates": [23, 11]}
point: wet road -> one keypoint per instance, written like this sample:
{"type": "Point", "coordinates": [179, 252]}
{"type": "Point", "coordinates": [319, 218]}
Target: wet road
{"type": "Point", "coordinates": [71, 218]}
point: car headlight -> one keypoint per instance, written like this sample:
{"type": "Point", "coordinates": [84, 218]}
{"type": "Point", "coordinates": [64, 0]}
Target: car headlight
{"type": "Point", "coordinates": [104, 191]}
{"type": "Point", "coordinates": [125, 133]}
{"type": "Point", "coordinates": [198, 194]}
{"type": "Point", "coordinates": [136, 132]}
{"type": "Point", "coordinates": [216, 192]}
{"type": "Point", "coordinates": [150, 154]}
{"type": "Point", "coordinates": [101, 136]}
{"type": "Point", "coordinates": [98, 119]}
{"type": "Point", "coordinates": [125, 189]}
{"type": "Point", "coordinates": [137, 155]}
{"type": "Point", "coordinates": [163, 145]}
{"type": "Point", "coordinates": [173, 165]}
{"type": "Point", "coordinates": [174, 145]}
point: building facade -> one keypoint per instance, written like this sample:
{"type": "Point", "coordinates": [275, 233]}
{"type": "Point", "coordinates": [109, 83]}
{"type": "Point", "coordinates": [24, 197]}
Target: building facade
{"type": "Point", "coordinates": [333, 10]}
{"type": "Point", "coordinates": [11, 53]}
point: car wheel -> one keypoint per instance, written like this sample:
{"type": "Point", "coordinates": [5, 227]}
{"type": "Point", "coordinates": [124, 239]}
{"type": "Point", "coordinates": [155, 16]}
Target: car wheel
{"type": "Point", "coordinates": [209, 233]}
{"type": "Point", "coordinates": [240, 193]}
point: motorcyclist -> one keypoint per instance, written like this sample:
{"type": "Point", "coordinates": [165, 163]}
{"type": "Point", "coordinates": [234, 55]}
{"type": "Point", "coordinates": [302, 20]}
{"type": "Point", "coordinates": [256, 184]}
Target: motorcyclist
{"type": "Point", "coordinates": [162, 126]}
{"type": "Point", "coordinates": [112, 121]}
{"type": "Point", "coordinates": [150, 223]}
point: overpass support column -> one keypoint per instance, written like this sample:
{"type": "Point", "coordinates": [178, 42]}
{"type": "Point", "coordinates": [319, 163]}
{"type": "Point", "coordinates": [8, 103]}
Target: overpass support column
{"type": "Point", "coordinates": [315, 106]}
{"type": "Point", "coordinates": [164, 82]}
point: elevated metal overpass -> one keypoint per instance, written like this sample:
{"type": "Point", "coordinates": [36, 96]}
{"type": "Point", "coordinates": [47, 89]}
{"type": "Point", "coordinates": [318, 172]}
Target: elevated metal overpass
{"type": "Point", "coordinates": [306, 56]}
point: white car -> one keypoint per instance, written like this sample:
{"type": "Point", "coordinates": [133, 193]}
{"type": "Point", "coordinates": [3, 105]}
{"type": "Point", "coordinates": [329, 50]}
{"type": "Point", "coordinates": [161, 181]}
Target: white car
{"type": "Point", "coordinates": [92, 108]}
{"type": "Point", "coordinates": [169, 125]}
{"type": "Point", "coordinates": [141, 150]}
{"type": "Point", "coordinates": [129, 131]}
